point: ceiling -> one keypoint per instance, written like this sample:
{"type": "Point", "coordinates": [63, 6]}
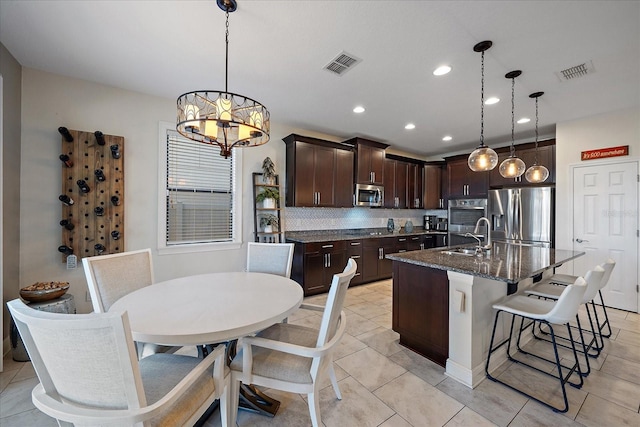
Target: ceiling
{"type": "Point", "coordinates": [278, 50]}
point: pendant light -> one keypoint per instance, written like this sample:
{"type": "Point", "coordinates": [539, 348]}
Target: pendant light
{"type": "Point", "coordinates": [482, 158]}
{"type": "Point", "coordinates": [536, 173]}
{"type": "Point", "coordinates": [220, 117]}
{"type": "Point", "coordinates": [512, 166]}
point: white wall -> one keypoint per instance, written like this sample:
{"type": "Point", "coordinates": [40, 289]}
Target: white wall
{"type": "Point", "coordinates": [606, 130]}
{"type": "Point", "coordinates": [50, 101]}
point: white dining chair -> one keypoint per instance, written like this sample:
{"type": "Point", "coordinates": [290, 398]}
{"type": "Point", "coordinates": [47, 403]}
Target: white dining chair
{"type": "Point", "coordinates": [272, 258]}
{"type": "Point", "coordinates": [89, 373]}
{"type": "Point", "coordinates": [295, 358]}
{"type": "Point", "coordinates": [110, 277]}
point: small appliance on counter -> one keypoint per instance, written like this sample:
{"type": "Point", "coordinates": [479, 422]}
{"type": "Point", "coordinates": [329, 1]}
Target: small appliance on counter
{"type": "Point", "coordinates": [442, 224]}
{"type": "Point", "coordinates": [430, 222]}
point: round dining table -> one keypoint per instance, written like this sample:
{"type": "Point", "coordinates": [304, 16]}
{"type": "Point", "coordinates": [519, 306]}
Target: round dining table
{"type": "Point", "coordinates": [209, 308]}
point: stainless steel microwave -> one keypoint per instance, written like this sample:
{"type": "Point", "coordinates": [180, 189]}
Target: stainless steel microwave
{"type": "Point", "coordinates": [369, 195]}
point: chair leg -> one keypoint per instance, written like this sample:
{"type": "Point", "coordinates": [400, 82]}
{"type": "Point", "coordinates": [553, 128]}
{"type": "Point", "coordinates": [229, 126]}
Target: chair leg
{"type": "Point", "coordinates": [597, 346]}
{"type": "Point", "coordinates": [585, 350]}
{"type": "Point", "coordinates": [314, 408]}
{"type": "Point", "coordinates": [606, 318]}
{"type": "Point", "coordinates": [559, 366]}
{"type": "Point", "coordinates": [225, 405]}
{"type": "Point", "coordinates": [233, 399]}
{"type": "Point", "coordinates": [334, 381]}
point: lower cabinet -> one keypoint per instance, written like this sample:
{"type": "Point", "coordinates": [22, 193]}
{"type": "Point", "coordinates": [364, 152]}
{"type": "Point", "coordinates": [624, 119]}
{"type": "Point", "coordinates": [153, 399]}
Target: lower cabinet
{"type": "Point", "coordinates": [421, 310]}
{"type": "Point", "coordinates": [314, 264]}
{"type": "Point", "coordinates": [354, 250]}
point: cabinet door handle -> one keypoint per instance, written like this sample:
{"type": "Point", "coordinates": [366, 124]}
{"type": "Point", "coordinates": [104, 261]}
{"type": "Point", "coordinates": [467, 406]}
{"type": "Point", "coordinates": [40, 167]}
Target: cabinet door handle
{"type": "Point", "coordinates": [402, 250]}
{"type": "Point", "coordinates": [421, 246]}
{"type": "Point", "coordinates": [354, 200]}
{"type": "Point", "coordinates": [326, 246]}
{"type": "Point", "coordinates": [445, 240]}
{"type": "Point", "coordinates": [328, 260]}
{"type": "Point", "coordinates": [355, 256]}
{"type": "Point", "coordinates": [415, 238]}
{"type": "Point", "coordinates": [402, 239]}
{"type": "Point", "coordinates": [379, 253]}
{"type": "Point", "coordinates": [319, 197]}
{"type": "Point", "coordinates": [355, 243]}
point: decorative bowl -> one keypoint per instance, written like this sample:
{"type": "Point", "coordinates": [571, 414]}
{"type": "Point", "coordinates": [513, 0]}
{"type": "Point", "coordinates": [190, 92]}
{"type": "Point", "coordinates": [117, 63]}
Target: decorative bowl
{"type": "Point", "coordinates": [44, 291]}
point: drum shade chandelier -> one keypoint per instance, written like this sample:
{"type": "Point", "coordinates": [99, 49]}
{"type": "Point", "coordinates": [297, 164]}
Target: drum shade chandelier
{"type": "Point", "coordinates": [220, 117]}
{"type": "Point", "coordinates": [536, 173]}
{"type": "Point", "coordinates": [512, 166]}
{"type": "Point", "coordinates": [482, 158]}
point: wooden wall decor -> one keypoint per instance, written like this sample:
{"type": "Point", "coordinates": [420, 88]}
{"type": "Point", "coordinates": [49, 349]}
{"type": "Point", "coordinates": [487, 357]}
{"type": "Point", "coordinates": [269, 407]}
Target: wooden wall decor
{"type": "Point", "coordinates": [93, 178]}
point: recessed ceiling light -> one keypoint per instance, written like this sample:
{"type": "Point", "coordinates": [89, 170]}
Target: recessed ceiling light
{"type": "Point", "coordinates": [442, 70]}
{"type": "Point", "coordinates": [447, 138]}
{"type": "Point", "coordinates": [492, 100]}
{"type": "Point", "coordinates": [359, 109]}
{"type": "Point", "coordinates": [524, 120]}
{"type": "Point", "coordinates": [410, 126]}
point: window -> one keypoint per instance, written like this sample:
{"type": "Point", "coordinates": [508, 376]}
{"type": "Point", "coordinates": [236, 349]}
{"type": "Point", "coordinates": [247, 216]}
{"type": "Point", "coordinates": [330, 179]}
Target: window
{"type": "Point", "coordinates": [198, 198]}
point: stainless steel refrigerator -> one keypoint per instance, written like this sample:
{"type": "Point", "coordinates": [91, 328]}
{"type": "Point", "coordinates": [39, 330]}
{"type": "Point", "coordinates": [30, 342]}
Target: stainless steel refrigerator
{"type": "Point", "coordinates": [522, 215]}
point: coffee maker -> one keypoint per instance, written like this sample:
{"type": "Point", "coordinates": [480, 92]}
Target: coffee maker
{"type": "Point", "coordinates": [430, 222]}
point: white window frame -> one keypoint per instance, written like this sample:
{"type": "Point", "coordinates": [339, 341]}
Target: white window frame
{"type": "Point", "coordinates": [236, 188]}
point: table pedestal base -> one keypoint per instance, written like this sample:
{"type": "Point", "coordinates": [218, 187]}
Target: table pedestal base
{"type": "Point", "coordinates": [252, 399]}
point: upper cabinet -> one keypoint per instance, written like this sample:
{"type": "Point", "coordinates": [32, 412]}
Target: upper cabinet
{"type": "Point", "coordinates": [463, 182]}
{"type": "Point", "coordinates": [432, 195]}
{"type": "Point", "coordinates": [527, 152]}
{"type": "Point", "coordinates": [319, 173]}
{"type": "Point", "coordinates": [369, 160]}
{"type": "Point", "coordinates": [402, 183]}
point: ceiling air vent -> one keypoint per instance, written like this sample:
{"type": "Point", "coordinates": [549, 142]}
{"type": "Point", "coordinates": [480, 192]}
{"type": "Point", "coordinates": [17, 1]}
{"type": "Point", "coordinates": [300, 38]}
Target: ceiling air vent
{"type": "Point", "coordinates": [342, 63]}
{"type": "Point", "coordinates": [576, 71]}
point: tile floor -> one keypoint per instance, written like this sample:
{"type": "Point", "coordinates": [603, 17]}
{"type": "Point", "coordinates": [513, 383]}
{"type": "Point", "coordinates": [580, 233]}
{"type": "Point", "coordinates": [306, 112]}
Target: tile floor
{"type": "Point", "coordinates": [384, 384]}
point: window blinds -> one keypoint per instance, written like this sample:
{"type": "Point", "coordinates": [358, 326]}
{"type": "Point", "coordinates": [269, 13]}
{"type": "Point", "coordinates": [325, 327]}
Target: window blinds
{"type": "Point", "coordinates": [199, 192]}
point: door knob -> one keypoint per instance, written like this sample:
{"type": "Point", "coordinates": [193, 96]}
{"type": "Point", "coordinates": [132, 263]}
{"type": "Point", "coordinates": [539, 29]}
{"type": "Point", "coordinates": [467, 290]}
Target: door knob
{"type": "Point", "coordinates": [581, 241]}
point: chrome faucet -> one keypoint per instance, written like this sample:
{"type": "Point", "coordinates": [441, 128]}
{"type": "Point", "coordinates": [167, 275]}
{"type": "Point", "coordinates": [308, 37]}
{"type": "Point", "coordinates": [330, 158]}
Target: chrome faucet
{"type": "Point", "coordinates": [487, 246]}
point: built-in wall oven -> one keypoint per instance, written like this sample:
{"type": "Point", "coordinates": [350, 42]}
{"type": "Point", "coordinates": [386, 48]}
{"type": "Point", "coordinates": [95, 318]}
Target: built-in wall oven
{"type": "Point", "coordinates": [463, 216]}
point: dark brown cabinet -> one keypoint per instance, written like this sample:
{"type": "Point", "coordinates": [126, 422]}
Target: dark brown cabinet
{"type": "Point", "coordinates": [421, 310]}
{"type": "Point", "coordinates": [315, 264]}
{"type": "Point", "coordinates": [526, 152]}
{"type": "Point", "coordinates": [395, 183]}
{"type": "Point", "coordinates": [433, 183]}
{"type": "Point", "coordinates": [369, 160]}
{"type": "Point", "coordinates": [354, 250]}
{"type": "Point", "coordinates": [375, 266]}
{"type": "Point", "coordinates": [414, 186]}
{"type": "Point", "coordinates": [319, 173]}
{"type": "Point", "coordinates": [463, 182]}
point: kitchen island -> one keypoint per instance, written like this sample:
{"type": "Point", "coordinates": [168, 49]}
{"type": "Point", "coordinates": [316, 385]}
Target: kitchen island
{"type": "Point", "coordinates": [443, 298]}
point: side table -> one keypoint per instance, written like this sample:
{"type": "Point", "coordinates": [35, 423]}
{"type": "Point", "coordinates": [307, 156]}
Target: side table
{"type": "Point", "coordinates": [64, 304]}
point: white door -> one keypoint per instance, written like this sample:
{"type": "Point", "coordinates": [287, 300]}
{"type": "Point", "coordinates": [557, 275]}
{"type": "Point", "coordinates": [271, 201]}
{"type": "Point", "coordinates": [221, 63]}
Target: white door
{"type": "Point", "coordinates": [605, 225]}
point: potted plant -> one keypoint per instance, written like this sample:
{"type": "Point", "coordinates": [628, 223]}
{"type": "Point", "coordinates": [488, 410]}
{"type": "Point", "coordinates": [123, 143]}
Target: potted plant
{"type": "Point", "coordinates": [268, 197]}
{"type": "Point", "coordinates": [268, 222]}
{"type": "Point", "coordinates": [268, 171]}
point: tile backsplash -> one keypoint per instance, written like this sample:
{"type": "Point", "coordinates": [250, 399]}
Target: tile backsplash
{"type": "Point", "coordinates": [303, 219]}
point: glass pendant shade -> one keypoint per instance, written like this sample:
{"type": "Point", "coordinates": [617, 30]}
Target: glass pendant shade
{"type": "Point", "coordinates": [512, 167]}
{"type": "Point", "coordinates": [536, 174]}
{"type": "Point", "coordinates": [482, 159]}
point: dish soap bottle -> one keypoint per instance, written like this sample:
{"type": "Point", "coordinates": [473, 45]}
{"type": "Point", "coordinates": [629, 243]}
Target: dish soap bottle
{"type": "Point", "coordinates": [408, 226]}
{"type": "Point", "coordinates": [390, 225]}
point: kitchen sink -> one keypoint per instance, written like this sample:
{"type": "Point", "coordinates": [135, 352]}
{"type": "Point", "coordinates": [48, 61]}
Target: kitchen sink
{"type": "Point", "coordinates": [460, 251]}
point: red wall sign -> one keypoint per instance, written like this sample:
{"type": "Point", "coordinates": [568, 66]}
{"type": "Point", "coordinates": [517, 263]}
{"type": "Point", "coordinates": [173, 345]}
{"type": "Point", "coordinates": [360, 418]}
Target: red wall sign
{"type": "Point", "coordinates": [603, 153]}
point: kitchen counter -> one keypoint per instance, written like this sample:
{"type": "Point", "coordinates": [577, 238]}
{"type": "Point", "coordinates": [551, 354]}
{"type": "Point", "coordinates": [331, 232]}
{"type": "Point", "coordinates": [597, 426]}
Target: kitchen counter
{"type": "Point", "coordinates": [505, 262]}
{"type": "Point", "coordinates": [350, 234]}
{"type": "Point", "coordinates": [443, 302]}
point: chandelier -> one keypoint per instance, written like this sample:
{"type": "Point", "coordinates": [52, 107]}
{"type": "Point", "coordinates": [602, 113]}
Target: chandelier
{"type": "Point", "coordinates": [536, 173]}
{"type": "Point", "coordinates": [482, 158]}
{"type": "Point", "coordinates": [220, 117]}
{"type": "Point", "coordinates": [512, 166]}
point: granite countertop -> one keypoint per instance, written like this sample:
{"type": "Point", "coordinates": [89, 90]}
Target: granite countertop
{"type": "Point", "coordinates": [350, 234]}
{"type": "Point", "coordinates": [506, 262]}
